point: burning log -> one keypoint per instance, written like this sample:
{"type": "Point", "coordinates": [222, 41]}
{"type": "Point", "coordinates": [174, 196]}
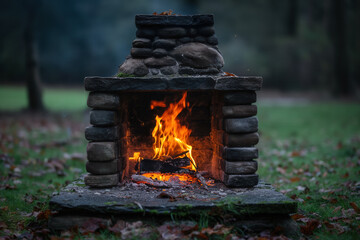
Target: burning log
{"type": "Point", "coordinates": [179, 162]}
{"type": "Point", "coordinates": [149, 182]}
{"type": "Point", "coordinates": [149, 165]}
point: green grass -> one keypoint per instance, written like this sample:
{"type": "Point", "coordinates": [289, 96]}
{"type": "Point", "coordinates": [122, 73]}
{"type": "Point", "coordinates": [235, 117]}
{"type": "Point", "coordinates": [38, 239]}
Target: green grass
{"type": "Point", "coordinates": [14, 98]}
{"type": "Point", "coordinates": [314, 146]}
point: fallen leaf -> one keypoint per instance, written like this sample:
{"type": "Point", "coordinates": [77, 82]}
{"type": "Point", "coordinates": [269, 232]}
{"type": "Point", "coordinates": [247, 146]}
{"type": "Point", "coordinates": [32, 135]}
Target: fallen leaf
{"type": "Point", "coordinates": [309, 227]}
{"type": "Point", "coordinates": [346, 175]}
{"type": "Point", "coordinates": [355, 207]}
{"type": "Point", "coordinates": [118, 227]}
{"type": "Point", "coordinates": [295, 154]}
{"type": "Point", "coordinates": [297, 216]}
{"type": "Point", "coordinates": [295, 179]}
{"type": "Point", "coordinates": [229, 74]}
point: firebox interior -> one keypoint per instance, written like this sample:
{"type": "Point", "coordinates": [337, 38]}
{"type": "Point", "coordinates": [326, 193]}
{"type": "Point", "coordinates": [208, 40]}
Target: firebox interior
{"type": "Point", "coordinates": [139, 121]}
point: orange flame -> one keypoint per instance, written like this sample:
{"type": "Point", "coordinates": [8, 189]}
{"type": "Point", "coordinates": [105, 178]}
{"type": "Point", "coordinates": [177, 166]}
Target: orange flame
{"type": "Point", "coordinates": [155, 104]}
{"type": "Point", "coordinates": [170, 136]}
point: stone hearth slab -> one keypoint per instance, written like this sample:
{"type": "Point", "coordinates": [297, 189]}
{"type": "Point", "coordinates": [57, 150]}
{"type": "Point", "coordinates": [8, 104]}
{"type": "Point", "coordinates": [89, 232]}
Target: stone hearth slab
{"type": "Point", "coordinates": [77, 202]}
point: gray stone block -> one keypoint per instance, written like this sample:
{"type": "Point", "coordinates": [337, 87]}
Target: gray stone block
{"type": "Point", "coordinates": [241, 125]}
{"type": "Point", "coordinates": [140, 52]}
{"type": "Point", "coordinates": [134, 66]}
{"type": "Point", "coordinates": [200, 39]}
{"type": "Point", "coordinates": [145, 33]}
{"type": "Point", "coordinates": [236, 98]}
{"type": "Point", "coordinates": [206, 31]}
{"type": "Point", "coordinates": [141, 43]}
{"type": "Point", "coordinates": [243, 167]}
{"type": "Point", "coordinates": [171, 32]}
{"type": "Point", "coordinates": [101, 151]}
{"type": "Point", "coordinates": [239, 111]}
{"type": "Point", "coordinates": [184, 40]}
{"type": "Point", "coordinates": [240, 154]}
{"type": "Point", "coordinates": [240, 181]}
{"type": "Point", "coordinates": [102, 168]}
{"type": "Point", "coordinates": [212, 40]}
{"type": "Point", "coordinates": [241, 140]}
{"type": "Point", "coordinates": [106, 101]}
{"type": "Point", "coordinates": [164, 43]}
{"type": "Point", "coordinates": [101, 181]}
{"type": "Point", "coordinates": [160, 62]}
{"type": "Point", "coordinates": [169, 70]}
{"type": "Point", "coordinates": [103, 118]}
{"type": "Point", "coordinates": [101, 134]}
{"type": "Point", "coordinates": [159, 52]}
{"type": "Point", "coordinates": [238, 83]}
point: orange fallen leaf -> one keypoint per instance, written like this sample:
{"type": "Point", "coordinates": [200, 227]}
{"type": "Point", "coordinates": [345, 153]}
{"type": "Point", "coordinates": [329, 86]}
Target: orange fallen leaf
{"type": "Point", "coordinates": [294, 179]}
{"type": "Point", "coordinates": [309, 227]}
{"type": "Point", "coordinates": [229, 74]}
{"type": "Point", "coordinates": [297, 216]}
{"type": "Point", "coordinates": [355, 207]}
{"type": "Point", "coordinates": [295, 154]}
{"type": "Point", "coordinates": [165, 13]}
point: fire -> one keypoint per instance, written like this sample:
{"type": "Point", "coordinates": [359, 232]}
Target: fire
{"type": "Point", "coordinates": [170, 137]}
{"type": "Point", "coordinates": [165, 177]}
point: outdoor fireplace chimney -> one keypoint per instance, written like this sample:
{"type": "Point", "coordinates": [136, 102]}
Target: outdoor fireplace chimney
{"type": "Point", "coordinates": [173, 56]}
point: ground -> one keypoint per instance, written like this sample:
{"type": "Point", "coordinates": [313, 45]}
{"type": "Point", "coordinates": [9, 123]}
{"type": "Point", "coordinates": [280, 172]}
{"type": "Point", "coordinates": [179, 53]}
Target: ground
{"type": "Point", "coordinates": [309, 150]}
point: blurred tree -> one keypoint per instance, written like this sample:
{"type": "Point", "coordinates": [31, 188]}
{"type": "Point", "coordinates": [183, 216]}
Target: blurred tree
{"type": "Point", "coordinates": [33, 80]}
{"type": "Point", "coordinates": [292, 18]}
{"type": "Point", "coordinates": [338, 33]}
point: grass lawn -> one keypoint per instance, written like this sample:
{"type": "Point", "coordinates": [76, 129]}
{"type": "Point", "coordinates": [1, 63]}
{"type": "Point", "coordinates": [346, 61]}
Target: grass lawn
{"type": "Point", "coordinates": [309, 152]}
{"type": "Point", "coordinates": [14, 98]}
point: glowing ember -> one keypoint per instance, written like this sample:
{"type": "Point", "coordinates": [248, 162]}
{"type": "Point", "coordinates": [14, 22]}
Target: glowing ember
{"type": "Point", "coordinates": [170, 136]}
{"type": "Point", "coordinates": [172, 177]}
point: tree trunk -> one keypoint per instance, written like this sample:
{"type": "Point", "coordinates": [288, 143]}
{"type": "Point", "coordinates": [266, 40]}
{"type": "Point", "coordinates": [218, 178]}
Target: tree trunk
{"type": "Point", "coordinates": [292, 18]}
{"type": "Point", "coordinates": [33, 80]}
{"type": "Point", "coordinates": [339, 40]}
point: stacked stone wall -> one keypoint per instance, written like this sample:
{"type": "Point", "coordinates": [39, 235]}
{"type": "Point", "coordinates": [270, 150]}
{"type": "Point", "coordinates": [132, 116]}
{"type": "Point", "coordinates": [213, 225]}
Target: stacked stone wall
{"type": "Point", "coordinates": [169, 45]}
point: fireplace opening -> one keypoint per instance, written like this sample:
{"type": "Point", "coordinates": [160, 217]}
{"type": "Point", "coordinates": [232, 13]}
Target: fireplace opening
{"type": "Point", "coordinates": [167, 136]}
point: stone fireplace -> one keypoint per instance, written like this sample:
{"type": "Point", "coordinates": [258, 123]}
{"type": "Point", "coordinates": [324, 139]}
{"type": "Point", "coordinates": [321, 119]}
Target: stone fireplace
{"type": "Point", "coordinates": [174, 62]}
{"type": "Point", "coordinates": [174, 137]}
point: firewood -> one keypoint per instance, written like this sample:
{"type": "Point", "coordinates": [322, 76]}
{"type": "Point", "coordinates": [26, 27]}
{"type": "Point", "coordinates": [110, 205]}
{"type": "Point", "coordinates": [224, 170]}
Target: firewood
{"type": "Point", "coordinates": [179, 162]}
{"type": "Point", "coordinates": [149, 182]}
{"type": "Point", "coordinates": [149, 165]}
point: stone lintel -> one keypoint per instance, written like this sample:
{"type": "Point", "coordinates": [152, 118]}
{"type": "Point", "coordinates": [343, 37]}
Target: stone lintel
{"type": "Point", "coordinates": [118, 84]}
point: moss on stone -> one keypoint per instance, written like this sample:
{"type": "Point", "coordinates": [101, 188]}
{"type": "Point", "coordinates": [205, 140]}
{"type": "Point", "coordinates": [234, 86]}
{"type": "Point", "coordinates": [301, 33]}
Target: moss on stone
{"type": "Point", "coordinates": [121, 74]}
